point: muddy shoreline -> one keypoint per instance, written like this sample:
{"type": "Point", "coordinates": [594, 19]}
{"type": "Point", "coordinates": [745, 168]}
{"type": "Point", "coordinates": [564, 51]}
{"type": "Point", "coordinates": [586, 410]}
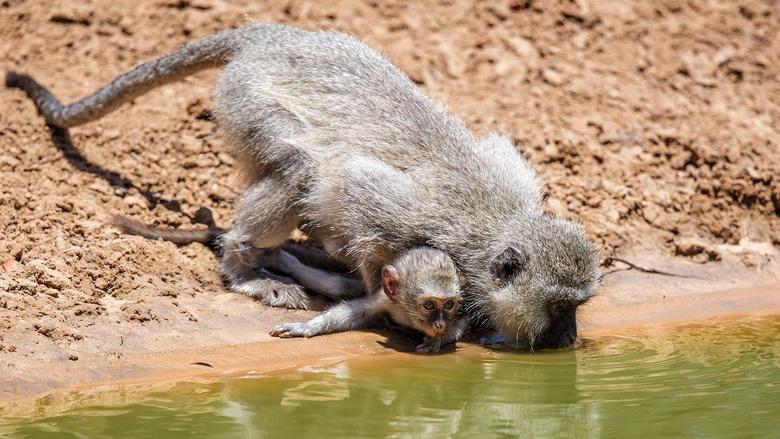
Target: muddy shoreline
{"type": "Point", "coordinates": [628, 302]}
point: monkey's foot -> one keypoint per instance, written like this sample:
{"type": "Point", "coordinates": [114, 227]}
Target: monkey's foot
{"type": "Point", "coordinates": [288, 296]}
{"type": "Point", "coordinates": [273, 293]}
{"type": "Point", "coordinates": [429, 346]}
{"type": "Point", "coordinates": [289, 330]}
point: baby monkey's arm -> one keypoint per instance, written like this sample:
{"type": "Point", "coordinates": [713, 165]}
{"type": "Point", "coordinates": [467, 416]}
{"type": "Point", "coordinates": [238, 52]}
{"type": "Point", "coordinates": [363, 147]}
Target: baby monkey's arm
{"type": "Point", "coordinates": [345, 316]}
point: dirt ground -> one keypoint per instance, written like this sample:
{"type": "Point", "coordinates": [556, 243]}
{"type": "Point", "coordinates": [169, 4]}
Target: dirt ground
{"type": "Point", "coordinates": [654, 123]}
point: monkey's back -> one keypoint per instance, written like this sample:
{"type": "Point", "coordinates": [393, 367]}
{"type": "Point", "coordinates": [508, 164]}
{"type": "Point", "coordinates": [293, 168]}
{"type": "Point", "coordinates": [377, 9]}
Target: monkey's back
{"type": "Point", "coordinates": [383, 165]}
{"type": "Point", "coordinates": [324, 96]}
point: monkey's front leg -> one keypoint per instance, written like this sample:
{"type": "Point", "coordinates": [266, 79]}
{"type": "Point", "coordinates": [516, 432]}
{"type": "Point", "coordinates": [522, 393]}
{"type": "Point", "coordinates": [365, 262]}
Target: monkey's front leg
{"type": "Point", "coordinates": [429, 345]}
{"type": "Point", "coordinates": [265, 218]}
{"type": "Point", "coordinates": [345, 316]}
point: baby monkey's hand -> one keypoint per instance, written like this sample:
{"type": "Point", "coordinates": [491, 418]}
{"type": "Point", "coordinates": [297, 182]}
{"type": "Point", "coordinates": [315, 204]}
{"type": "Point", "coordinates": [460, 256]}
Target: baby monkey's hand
{"type": "Point", "coordinates": [289, 330]}
{"type": "Point", "coordinates": [429, 346]}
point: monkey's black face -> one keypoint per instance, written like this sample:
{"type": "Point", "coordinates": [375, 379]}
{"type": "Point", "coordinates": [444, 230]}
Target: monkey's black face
{"type": "Point", "coordinates": [530, 322]}
{"type": "Point", "coordinates": [436, 313]}
{"type": "Point", "coordinates": [538, 283]}
{"type": "Point", "coordinates": [562, 331]}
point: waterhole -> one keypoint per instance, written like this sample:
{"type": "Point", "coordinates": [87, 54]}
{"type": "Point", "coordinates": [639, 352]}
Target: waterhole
{"type": "Point", "coordinates": [716, 379]}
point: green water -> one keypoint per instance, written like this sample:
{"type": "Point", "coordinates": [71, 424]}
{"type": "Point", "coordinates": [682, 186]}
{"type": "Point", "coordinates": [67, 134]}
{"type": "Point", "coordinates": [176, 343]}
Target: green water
{"type": "Point", "coordinates": [714, 380]}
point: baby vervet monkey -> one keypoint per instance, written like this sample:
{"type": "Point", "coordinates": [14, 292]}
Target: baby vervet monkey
{"type": "Point", "coordinates": [420, 290]}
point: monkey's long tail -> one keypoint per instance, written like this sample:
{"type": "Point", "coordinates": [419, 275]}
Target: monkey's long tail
{"type": "Point", "coordinates": [207, 52]}
{"type": "Point", "coordinates": [206, 237]}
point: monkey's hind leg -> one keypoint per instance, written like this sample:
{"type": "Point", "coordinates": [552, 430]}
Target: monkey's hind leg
{"type": "Point", "coordinates": [315, 257]}
{"type": "Point", "coordinates": [336, 286]}
{"type": "Point", "coordinates": [265, 218]}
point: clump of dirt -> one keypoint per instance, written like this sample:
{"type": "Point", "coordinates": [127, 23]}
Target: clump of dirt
{"type": "Point", "coordinates": [654, 123]}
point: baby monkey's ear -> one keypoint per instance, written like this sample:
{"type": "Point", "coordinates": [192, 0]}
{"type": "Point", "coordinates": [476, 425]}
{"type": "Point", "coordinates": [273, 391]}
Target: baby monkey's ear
{"type": "Point", "coordinates": [390, 282]}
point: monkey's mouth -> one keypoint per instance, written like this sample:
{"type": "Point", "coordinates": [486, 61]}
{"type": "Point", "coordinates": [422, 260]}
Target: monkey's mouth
{"type": "Point", "coordinates": [562, 333]}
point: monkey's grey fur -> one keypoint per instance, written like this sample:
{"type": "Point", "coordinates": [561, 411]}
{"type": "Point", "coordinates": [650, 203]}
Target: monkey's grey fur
{"type": "Point", "coordinates": [422, 272]}
{"type": "Point", "coordinates": [330, 134]}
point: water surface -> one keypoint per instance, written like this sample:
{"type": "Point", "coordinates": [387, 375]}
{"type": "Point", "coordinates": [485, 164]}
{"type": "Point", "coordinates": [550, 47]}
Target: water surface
{"type": "Point", "coordinates": [720, 379]}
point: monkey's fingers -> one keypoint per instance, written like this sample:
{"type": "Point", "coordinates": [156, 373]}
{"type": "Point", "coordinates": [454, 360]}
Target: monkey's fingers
{"type": "Point", "coordinates": [429, 346]}
{"type": "Point", "coordinates": [289, 330]}
{"type": "Point", "coordinates": [276, 333]}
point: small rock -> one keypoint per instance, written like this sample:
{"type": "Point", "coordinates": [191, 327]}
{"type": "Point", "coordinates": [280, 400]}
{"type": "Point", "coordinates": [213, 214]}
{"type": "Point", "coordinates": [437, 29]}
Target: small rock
{"type": "Point", "coordinates": [651, 213]}
{"type": "Point", "coordinates": [552, 77]}
{"type": "Point", "coordinates": [754, 174]}
{"type": "Point", "coordinates": [49, 277]}
{"type": "Point", "coordinates": [139, 312]}
{"type": "Point", "coordinates": [580, 41]}
{"type": "Point", "coordinates": [225, 158]}
{"type": "Point", "coordinates": [135, 200]}
{"type": "Point", "coordinates": [65, 206]}
{"type": "Point", "coordinates": [523, 49]}
{"type": "Point", "coordinates": [724, 55]}
{"type": "Point", "coordinates": [25, 286]}
{"type": "Point", "coordinates": [613, 216]}
{"type": "Point", "coordinates": [516, 5]}
{"type": "Point", "coordinates": [73, 357]}
{"type": "Point", "coordinates": [10, 264]}
{"type": "Point", "coordinates": [687, 247]}
{"type": "Point", "coordinates": [111, 134]}
{"type": "Point", "coordinates": [697, 249]}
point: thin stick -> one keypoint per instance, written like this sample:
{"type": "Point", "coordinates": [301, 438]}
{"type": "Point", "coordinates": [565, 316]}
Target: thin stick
{"type": "Point", "coordinates": [610, 260]}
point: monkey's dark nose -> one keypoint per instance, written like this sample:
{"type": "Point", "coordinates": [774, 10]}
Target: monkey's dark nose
{"type": "Point", "coordinates": [438, 324]}
{"type": "Point", "coordinates": [561, 334]}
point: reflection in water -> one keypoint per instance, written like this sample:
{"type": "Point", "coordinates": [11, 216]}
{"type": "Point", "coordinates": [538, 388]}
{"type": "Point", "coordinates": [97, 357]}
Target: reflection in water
{"type": "Point", "coordinates": [716, 380]}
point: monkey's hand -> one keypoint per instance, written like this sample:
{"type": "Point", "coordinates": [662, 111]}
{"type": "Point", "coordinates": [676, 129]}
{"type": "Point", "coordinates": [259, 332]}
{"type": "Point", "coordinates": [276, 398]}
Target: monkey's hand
{"type": "Point", "coordinates": [429, 346]}
{"type": "Point", "coordinates": [289, 330]}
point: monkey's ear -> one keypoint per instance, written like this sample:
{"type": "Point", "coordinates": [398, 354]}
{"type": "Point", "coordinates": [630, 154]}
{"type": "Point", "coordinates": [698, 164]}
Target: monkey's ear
{"type": "Point", "coordinates": [508, 264]}
{"type": "Point", "coordinates": [390, 282]}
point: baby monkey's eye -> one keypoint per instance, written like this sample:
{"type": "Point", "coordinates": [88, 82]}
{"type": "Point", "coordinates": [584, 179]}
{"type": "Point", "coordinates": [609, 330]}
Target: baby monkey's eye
{"type": "Point", "coordinates": [449, 304]}
{"type": "Point", "coordinates": [429, 305]}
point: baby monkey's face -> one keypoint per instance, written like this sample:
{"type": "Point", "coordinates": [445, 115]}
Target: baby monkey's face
{"type": "Point", "coordinates": [425, 287]}
{"type": "Point", "coordinates": [436, 313]}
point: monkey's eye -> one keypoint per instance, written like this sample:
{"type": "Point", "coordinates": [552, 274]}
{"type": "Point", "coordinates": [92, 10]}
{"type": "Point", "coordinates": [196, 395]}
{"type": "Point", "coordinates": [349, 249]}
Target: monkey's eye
{"type": "Point", "coordinates": [429, 305]}
{"type": "Point", "coordinates": [449, 304]}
